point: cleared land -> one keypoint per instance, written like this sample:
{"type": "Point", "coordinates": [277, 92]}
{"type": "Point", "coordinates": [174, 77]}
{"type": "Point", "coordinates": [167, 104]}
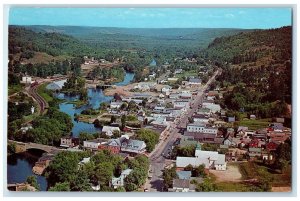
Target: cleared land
{"type": "Point", "coordinates": [254, 124]}
{"type": "Point", "coordinates": [232, 174]}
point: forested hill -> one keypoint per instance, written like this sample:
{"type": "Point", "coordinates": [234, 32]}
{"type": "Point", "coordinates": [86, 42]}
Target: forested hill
{"type": "Point", "coordinates": [141, 38]}
{"type": "Point", "coordinates": [272, 45]}
{"type": "Point", "coordinates": [256, 69]}
{"type": "Point", "coordinates": [26, 43]}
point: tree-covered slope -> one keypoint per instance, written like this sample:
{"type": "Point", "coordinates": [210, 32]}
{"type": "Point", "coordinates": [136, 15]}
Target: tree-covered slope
{"type": "Point", "coordinates": [141, 38]}
{"type": "Point", "coordinates": [26, 42]}
{"type": "Point", "coordinates": [273, 44]}
{"type": "Point", "coordinates": [257, 70]}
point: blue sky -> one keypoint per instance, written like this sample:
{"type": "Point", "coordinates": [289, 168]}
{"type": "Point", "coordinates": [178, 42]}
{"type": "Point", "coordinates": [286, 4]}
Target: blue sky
{"type": "Point", "coordinates": [154, 17]}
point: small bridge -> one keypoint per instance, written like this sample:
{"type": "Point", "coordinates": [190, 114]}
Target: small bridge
{"type": "Point", "coordinates": [23, 146]}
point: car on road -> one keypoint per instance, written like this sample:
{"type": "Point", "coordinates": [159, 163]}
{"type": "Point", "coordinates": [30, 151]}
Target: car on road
{"type": "Point", "coordinates": [146, 190]}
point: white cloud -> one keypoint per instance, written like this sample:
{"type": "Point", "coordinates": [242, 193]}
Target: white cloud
{"type": "Point", "coordinates": [229, 15]}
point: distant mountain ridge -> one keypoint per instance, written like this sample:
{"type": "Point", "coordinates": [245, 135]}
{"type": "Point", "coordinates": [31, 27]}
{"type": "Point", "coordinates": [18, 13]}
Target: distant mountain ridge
{"type": "Point", "coordinates": [144, 38]}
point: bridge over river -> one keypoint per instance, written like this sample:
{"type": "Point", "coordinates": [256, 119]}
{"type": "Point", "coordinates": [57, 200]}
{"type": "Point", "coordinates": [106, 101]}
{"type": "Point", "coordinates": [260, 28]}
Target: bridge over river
{"type": "Point", "coordinates": [23, 147]}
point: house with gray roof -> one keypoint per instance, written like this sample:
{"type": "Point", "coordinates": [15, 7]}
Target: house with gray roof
{"type": "Point", "coordinates": [184, 174]}
{"type": "Point", "coordinates": [210, 159]}
{"type": "Point", "coordinates": [133, 146]}
{"type": "Point", "coordinates": [57, 85]}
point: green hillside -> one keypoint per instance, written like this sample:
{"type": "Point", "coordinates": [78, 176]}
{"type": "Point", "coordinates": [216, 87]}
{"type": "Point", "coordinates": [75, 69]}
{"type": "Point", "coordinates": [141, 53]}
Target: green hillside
{"type": "Point", "coordinates": [26, 42]}
{"type": "Point", "coordinates": [257, 71]}
{"type": "Point", "coordinates": [141, 38]}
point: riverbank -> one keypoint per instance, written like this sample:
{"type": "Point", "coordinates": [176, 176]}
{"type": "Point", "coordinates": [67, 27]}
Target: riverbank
{"type": "Point", "coordinates": [121, 90]}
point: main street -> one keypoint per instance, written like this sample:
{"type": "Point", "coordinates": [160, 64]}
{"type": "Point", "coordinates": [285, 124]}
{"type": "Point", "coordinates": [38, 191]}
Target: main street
{"type": "Point", "coordinates": [158, 162]}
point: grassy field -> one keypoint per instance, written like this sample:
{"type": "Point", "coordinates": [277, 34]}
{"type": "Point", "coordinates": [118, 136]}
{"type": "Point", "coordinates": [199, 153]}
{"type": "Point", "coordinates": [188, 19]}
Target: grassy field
{"type": "Point", "coordinates": [187, 74]}
{"type": "Point", "coordinates": [254, 124]}
{"type": "Point", "coordinates": [42, 91]}
{"type": "Point", "coordinates": [233, 187]}
{"type": "Point", "coordinates": [41, 57]}
{"type": "Point", "coordinates": [254, 170]}
{"type": "Point", "coordinates": [78, 103]}
{"type": "Point", "coordinates": [14, 89]}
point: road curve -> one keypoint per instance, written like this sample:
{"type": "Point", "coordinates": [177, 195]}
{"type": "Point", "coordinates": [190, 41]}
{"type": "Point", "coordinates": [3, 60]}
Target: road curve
{"type": "Point", "coordinates": [40, 100]}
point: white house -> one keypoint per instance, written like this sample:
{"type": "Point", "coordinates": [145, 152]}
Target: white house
{"type": "Point", "coordinates": [204, 111]}
{"type": "Point", "coordinates": [186, 95]}
{"type": "Point", "coordinates": [166, 89]}
{"type": "Point", "coordinates": [115, 105]}
{"type": "Point", "coordinates": [93, 144]}
{"type": "Point", "coordinates": [210, 159]}
{"type": "Point", "coordinates": [108, 130]}
{"type": "Point", "coordinates": [213, 107]}
{"type": "Point", "coordinates": [84, 161]}
{"type": "Point", "coordinates": [133, 146]}
{"type": "Point", "coordinates": [178, 71]}
{"type": "Point", "coordinates": [26, 80]}
{"type": "Point", "coordinates": [201, 128]}
{"type": "Point", "coordinates": [119, 181]}
{"type": "Point", "coordinates": [194, 82]}
{"type": "Point", "coordinates": [200, 118]}
{"type": "Point", "coordinates": [152, 76]}
{"type": "Point", "coordinates": [181, 104]}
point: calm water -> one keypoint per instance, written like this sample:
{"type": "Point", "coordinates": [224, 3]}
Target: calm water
{"type": "Point", "coordinates": [96, 97]}
{"type": "Point", "coordinates": [19, 167]}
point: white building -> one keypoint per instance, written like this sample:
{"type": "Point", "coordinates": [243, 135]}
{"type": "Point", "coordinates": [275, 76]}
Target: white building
{"type": "Point", "coordinates": [115, 105]}
{"type": "Point", "coordinates": [181, 104]}
{"type": "Point", "coordinates": [210, 159]}
{"type": "Point", "coordinates": [119, 181]}
{"type": "Point", "coordinates": [26, 80]}
{"type": "Point", "coordinates": [186, 95]}
{"type": "Point", "coordinates": [93, 144]}
{"type": "Point", "coordinates": [213, 107]}
{"type": "Point", "coordinates": [200, 127]}
{"type": "Point", "coordinates": [166, 89]}
{"type": "Point", "coordinates": [109, 130]}
{"type": "Point", "coordinates": [194, 82]}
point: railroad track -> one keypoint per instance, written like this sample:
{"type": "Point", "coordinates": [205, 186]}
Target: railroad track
{"type": "Point", "coordinates": [41, 102]}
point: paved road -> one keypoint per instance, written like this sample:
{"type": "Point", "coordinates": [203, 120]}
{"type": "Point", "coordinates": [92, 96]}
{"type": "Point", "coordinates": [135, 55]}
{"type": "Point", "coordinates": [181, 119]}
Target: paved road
{"type": "Point", "coordinates": [158, 162]}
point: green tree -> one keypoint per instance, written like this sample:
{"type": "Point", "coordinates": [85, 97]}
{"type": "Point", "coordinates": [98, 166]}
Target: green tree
{"type": "Point", "coordinates": [206, 186]}
{"type": "Point", "coordinates": [149, 137]}
{"type": "Point", "coordinates": [199, 171]}
{"type": "Point", "coordinates": [64, 167]}
{"type": "Point", "coordinates": [123, 121]}
{"type": "Point", "coordinates": [168, 176]}
{"type": "Point", "coordinates": [81, 183]}
{"type": "Point", "coordinates": [65, 186]}
{"type": "Point", "coordinates": [33, 182]}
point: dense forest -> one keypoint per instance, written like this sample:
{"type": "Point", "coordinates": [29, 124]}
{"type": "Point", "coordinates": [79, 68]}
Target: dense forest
{"type": "Point", "coordinates": [257, 67]}
{"type": "Point", "coordinates": [171, 39]}
{"type": "Point", "coordinates": [27, 42]}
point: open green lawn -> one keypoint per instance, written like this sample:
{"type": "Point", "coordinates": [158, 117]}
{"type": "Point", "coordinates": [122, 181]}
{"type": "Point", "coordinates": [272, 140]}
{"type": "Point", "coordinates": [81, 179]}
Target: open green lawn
{"type": "Point", "coordinates": [187, 74]}
{"type": "Point", "coordinates": [42, 91]}
{"type": "Point", "coordinates": [255, 124]}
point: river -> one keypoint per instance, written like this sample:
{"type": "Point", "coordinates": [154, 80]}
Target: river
{"type": "Point", "coordinates": [96, 97]}
{"type": "Point", "coordinates": [20, 165]}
